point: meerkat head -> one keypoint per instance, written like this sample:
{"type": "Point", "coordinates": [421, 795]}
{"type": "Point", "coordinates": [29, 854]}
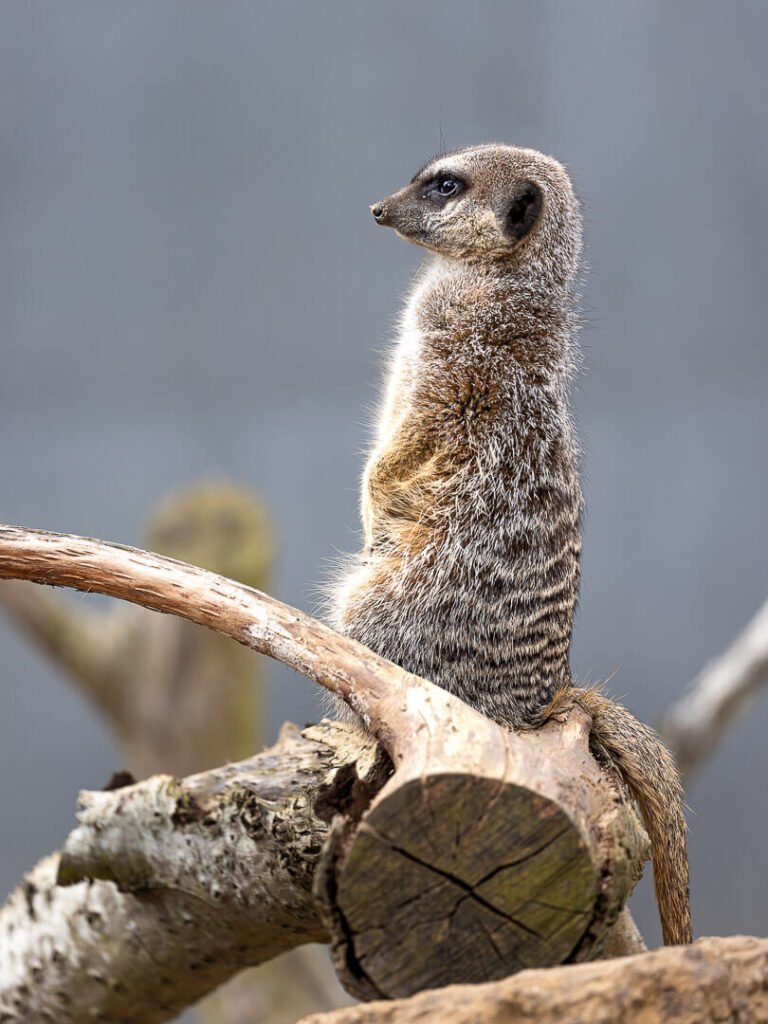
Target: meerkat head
{"type": "Point", "coordinates": [491, 203]}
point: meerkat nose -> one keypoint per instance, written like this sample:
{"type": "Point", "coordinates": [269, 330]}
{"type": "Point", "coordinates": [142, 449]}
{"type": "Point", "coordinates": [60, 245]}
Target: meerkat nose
{"type": "Point", "coordinates": [379, 211]}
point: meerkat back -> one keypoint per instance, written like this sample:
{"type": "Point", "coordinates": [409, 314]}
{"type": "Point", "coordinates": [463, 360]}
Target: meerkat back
{"type": "Point", "coordinates": [470, 502]}
{"type": "Point", "coordinates": [470, 498]}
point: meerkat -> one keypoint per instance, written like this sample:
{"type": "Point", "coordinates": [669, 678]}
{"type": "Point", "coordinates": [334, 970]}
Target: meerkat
{"type": "Point", "coordinates": [471, 500]}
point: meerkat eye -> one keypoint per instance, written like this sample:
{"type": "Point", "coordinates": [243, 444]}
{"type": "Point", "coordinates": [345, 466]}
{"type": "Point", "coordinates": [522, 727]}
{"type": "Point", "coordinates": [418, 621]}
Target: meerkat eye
{"type": "Point", "coordinates": [447, 186]}
{"type": "Point", "coordinates": [523, 212]}
{"type": "Point", "coordinates": [444, 186]}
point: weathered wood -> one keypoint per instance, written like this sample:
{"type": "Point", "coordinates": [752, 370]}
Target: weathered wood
{"type": "Point", "coordinates": [717, 979]}
{"type": "Point", "coordinates": [525, 841]}
{"type": "Point", "coordinates": [474, 863]}
{"type": "Point", "coordinates": [179, 698]}
{"type": "Point", "coordinates": [171, 887]}
{"type": "Point", "coordinates": [372, 686]}
{"type": "Point", "coordinates": [390, 701]}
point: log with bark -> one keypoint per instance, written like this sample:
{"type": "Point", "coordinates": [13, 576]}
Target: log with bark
{"type": "Point", "coordinates": [460, 851]}
{"type": "Point", "coordinates": [179, 698]}
{"type": "Point", "coordinates": [168, 887]}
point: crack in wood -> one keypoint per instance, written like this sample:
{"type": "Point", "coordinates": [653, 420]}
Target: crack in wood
{"type": "Point", "coordinates": [528, 856]}
{"type": "Point", "coordinates": [468, 889]}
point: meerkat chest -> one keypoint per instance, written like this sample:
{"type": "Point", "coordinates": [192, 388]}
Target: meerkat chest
{"type": "Point", "coordinates": [403, 368]}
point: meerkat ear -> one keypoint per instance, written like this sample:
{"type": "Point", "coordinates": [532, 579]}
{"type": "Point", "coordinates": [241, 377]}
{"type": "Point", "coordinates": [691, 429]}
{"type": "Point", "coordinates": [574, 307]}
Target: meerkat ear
{"type": "Point", "coordinates": [523, 212]}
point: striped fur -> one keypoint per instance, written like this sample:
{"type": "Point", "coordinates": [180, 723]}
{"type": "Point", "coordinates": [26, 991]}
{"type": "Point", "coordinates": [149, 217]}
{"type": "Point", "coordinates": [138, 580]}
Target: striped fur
{"type": "Point", "coordinates": [471, 501]}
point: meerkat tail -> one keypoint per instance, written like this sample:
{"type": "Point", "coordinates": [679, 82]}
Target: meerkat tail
{"type": "Point", "coordinates": [471, 499]}
{"type": "Point", "coordinates": [651, 774]}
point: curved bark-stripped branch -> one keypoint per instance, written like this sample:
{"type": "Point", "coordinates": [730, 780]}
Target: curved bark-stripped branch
{"type": "Point", "coordinates": [696, 723]}
{"type": "Point", "coordinates": [374, 688]}
{"type": "Point", "coordinates": [395, 705]}
{"type": "Point", "coordinates": [171, 887]}
{"type": "Point", "coordinates": [713, 980]}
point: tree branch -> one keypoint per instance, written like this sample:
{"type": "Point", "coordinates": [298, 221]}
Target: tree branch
{"type": "Point", "coordinates": [486, 857]}
{"type": "Point", "coordinates": [697, 722]}
{"type": "Point", "coordinates": [180, 698]}
{"type": "Point", "coordinates": [196, 879]}
{"type": "Point", "coordinates": [169, 887]}
{"type": "Point", "coordinates": [712, 980]}
{"type": "Point", "coordinates": [374, 688]}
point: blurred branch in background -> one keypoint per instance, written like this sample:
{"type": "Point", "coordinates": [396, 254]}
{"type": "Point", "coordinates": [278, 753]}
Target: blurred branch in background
{"type": "Point", "coordinates": [177, 698]}
{"type": "Point", "coordinates": [696, 723]}
{"type": "Point", "coordinates": [180, 698]}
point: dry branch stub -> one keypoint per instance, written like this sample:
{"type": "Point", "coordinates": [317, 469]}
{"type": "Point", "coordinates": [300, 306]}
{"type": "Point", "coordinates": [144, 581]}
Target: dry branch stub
{"type": "Point", "coordinates": [458, 875]}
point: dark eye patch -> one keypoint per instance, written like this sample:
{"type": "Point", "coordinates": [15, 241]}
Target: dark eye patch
{"type": "Point", "coordinates": [443, 187]}
{"type": "Point", "coordinates": [523, 212]}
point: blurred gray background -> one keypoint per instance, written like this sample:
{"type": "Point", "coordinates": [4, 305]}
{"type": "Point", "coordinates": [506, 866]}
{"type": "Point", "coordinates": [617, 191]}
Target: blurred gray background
{"type": "Point", "coordinates": [191, 285]}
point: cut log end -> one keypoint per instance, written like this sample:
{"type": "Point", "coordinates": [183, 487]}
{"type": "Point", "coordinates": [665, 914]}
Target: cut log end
{"type": "Point", "coordinates": [456, 877]}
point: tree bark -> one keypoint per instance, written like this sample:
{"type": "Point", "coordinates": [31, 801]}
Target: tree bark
{"type": "Point", "coordinates": [490, 850]}
{"type": "Point", "coordinates": [169, 887]}
{"type": "Point", "coordinates": [480, 857]}
{"type": "Point", "coordinates": [180, 698]}
{"type": "Point", "coordinates": [717, 979]}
